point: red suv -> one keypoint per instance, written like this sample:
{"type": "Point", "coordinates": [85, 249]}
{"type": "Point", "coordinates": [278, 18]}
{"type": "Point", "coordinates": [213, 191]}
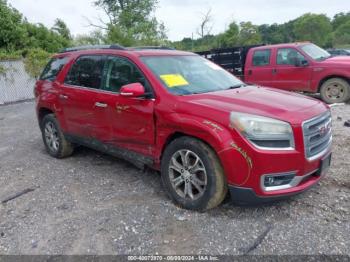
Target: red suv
{"type": "Point", "coordinates": [205, 130]}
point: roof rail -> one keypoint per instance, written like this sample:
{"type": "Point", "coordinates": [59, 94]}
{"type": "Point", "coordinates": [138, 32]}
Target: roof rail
{"type": "Point", "coordinates": [151, 47]}
{"type": "Point", "coordinates": [87, 47]}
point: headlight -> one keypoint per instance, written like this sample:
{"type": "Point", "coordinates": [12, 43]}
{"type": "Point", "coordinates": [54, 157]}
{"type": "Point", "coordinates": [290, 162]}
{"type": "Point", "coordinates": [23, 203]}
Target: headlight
{"type": "Point", "coordinates": [263, 132]}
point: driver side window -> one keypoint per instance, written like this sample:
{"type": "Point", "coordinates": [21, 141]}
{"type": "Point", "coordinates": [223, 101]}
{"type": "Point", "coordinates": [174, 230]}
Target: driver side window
{"type": "Point", "coordinates": [120, 72]}
{"type": "Point", "coordinates": [288, 56]}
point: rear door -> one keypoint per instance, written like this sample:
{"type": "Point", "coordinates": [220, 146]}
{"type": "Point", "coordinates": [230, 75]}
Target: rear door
{"type": "Point", "coordinates": [288, 76]}
{"type": "Point", "coordinates": [83, 113]}
{"type": "Point", "coordinates": [259, 69]}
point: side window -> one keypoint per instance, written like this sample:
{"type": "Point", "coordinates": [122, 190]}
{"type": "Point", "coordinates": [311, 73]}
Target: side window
{"type": "Point", "coordinates": [120, 72]}
{"type": "Point", "coordinates": [87, 71]}
{"type": "Point", "coordinates": [288, 56]}
{"type": "Point", "coordinates": [53, 68]}
{"type": "Point", "coordinates": [261, 57]}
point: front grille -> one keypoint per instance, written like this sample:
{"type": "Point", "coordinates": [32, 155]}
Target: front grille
{"type": "Point", "coordinates": [317, 135]}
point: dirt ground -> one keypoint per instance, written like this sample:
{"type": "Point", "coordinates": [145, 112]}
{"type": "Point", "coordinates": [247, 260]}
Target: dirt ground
{"type": "Point", "coordinates": [91, 203]}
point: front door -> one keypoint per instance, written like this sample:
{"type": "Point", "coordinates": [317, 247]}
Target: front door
{"type": "Point", "coordinates": [287, 75]}
{"type": "Point", "coordinates": [131, 119]}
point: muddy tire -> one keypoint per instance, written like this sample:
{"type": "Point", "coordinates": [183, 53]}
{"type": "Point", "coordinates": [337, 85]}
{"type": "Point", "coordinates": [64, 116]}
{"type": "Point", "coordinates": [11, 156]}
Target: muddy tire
{"type": "Point", "coordinates": [335, 90]}
{"type": "Point", "coordinates": [192, 174]}
{"type": "Point", "coordinates": [54, 140]}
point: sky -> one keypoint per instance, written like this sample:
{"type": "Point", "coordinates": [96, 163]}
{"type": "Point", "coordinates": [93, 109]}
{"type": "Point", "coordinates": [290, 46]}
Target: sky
{"type": "Point", "coordinates": [182, 17]}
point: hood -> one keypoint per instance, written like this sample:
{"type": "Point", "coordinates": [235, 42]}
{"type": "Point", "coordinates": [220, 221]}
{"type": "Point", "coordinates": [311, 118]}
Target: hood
{"type": "Point", "coordinates": [336, 60]}
{"type": "Point", "coordinates": [290, 107]}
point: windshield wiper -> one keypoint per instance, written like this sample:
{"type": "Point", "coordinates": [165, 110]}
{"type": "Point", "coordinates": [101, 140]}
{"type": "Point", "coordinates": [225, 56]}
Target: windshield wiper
{"type": "Point", "coordinates": [237, 86]}
{"type": "Point", "coordinates": [322, 58]}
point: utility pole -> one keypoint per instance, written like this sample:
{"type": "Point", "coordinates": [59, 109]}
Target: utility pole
{"type": "Point", "coordinates": [192, 43]}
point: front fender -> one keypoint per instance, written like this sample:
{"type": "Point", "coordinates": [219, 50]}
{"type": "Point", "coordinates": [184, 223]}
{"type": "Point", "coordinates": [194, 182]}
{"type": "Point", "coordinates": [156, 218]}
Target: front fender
{"type": "Point", "coordinates": [320, 74]}
{"type": "Point", "coordinates": [207, 130]}
{"type": "Point", "coordinates": [236, 162]}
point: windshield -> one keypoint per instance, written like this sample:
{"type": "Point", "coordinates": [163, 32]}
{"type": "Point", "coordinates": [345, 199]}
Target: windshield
{"type": "Point", "coordinates": [315, 52]}
{"type": "Point", "coordinates": [186, 75]}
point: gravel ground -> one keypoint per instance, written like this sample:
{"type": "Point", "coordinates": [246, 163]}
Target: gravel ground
{"type": "Point", "coordinates": [91, 203]}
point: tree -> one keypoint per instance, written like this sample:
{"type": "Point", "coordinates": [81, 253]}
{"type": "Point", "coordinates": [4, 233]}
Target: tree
{"type": "Point", "coordinates": [61, 28]}
{"type": "Point", "coordinates": [131, 22]}
{"type": "Point", "coordinates": [39, 36]}
{"type": "Point", "coordinates": [342, 35]}
{"type": "Point", "coordinates": [272, 34]}
{"type": "Point", "coordinates": [95, 37]}
{"type": "Point", "coordinates": [315, 28]}
{"type": "Point", "coordinates": [12, 31]}
{"type": "Point", "coordinates": [206, 25]}
{"type": "Point", "coordinates": [340, 19]}
{"type": "Point", "coordinates": [249, 34]}
{"type": "Point", "coordinates": [230, 37]}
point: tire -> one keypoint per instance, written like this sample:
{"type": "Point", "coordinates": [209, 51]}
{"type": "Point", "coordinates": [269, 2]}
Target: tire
{"type": "Point", "coordinates": [191, 164]}
{"type": "Point", "coordinates": [335, 90]}
{"type": "Point", "coordinates": [54, 140]}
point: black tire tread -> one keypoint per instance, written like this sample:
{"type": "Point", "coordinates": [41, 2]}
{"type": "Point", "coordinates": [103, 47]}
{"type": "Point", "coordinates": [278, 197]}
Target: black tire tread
{"type": "Point", "coordinates": [326, 83]}
{"type": "Point", "coordinates": [66, 148]}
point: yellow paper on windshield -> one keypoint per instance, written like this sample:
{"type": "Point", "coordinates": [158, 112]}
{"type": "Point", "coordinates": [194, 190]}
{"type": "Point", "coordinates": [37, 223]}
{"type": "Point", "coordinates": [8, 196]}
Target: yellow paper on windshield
{"type": "Point", "coordinates": [174, 80]}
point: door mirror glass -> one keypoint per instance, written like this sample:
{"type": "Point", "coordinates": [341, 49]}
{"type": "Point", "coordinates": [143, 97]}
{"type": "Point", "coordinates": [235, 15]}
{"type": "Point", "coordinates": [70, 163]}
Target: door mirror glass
{"type": "Point", "coordinates": [301, 62]}
{"type": "Point", "coordinates": [132, 90]}
{"type": "Point", "coordinates": [304, 62]}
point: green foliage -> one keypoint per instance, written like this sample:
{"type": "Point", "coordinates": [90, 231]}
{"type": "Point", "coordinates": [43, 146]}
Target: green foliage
{"type": "Point", "coordinates": [12, 30]}
{"type": "Point", "coordinates": [131, 22]}
{"type": "Point", "coordinates": [11, 56]}
{"type": "Point", "coordinates": [340, 19]}
{"type": "Point", "coordinates": [95, 37]}
{"type": "Point", "coordinates": [61, 28]}
{"type": "Point", "coordinates": [35, 61]}
{"type": "Point", "coordinates": [230, 36]}
{"type": "Point", "coordinates": [249, 34]}
{"type": "Point", "coordinates": [41, 37]}
{"type": "Point", "coordinates": [313, 28]}
{"type": "Point", "coordinates": [3, 71]}
{"type": "Point", "coordinates": [342, 35]}
{"type": "Point", "coordinates": [16, 33]}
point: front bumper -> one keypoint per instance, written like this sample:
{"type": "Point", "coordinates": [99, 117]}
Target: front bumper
{"type": "Point", "coordinates": [247, 197]}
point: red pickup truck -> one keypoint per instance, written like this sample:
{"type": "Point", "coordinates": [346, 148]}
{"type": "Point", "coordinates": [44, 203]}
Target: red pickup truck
{"type": "Point", "coordinates": [294, 67]}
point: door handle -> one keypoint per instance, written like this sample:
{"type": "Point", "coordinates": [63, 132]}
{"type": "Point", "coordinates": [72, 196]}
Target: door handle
{"type": "Point", "coordinates": [63, 96]}
{"type": "Point", "coordinates": [274, 71]}
{"type": "Point", "coordinates": [101, 105]}
{"type": "Point", "coordinates": [250, 72]}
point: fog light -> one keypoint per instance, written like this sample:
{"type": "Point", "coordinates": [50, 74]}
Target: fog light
{"type": "Point", "coordinates": [278, 180]}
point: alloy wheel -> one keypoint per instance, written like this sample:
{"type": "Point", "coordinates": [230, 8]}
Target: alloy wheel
{"type": "Point", "coordinates": [187, 174]}
{"type": "Point", "coordinates": [51, 137]}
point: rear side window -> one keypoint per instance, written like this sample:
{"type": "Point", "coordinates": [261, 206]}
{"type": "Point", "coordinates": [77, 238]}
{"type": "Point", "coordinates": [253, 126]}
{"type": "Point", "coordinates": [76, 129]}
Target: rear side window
{"type": "Point", "coordinates": [87, 71]}
{"type": "Point", "coordinates": [261, 57]}
{"type": "Point", "coordinates": [53, 68]}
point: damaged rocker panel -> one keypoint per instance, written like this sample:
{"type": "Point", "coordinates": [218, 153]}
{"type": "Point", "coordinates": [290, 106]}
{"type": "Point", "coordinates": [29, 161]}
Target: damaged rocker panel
{"type": "Point", "coordinates": [137, 159]}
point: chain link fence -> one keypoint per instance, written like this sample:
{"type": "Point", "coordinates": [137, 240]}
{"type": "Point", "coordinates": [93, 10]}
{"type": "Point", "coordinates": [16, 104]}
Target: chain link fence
{"type": "Point", "coordinates": [15, 83]}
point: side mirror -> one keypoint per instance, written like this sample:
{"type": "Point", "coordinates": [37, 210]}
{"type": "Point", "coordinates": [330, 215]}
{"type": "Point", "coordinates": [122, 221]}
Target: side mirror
{"type": "Point", "coordinates": [132, 90]}
{"type": "Point", "coordinates": [304, 62]}
{"type": "Point", "coordinates": [301, 62]}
